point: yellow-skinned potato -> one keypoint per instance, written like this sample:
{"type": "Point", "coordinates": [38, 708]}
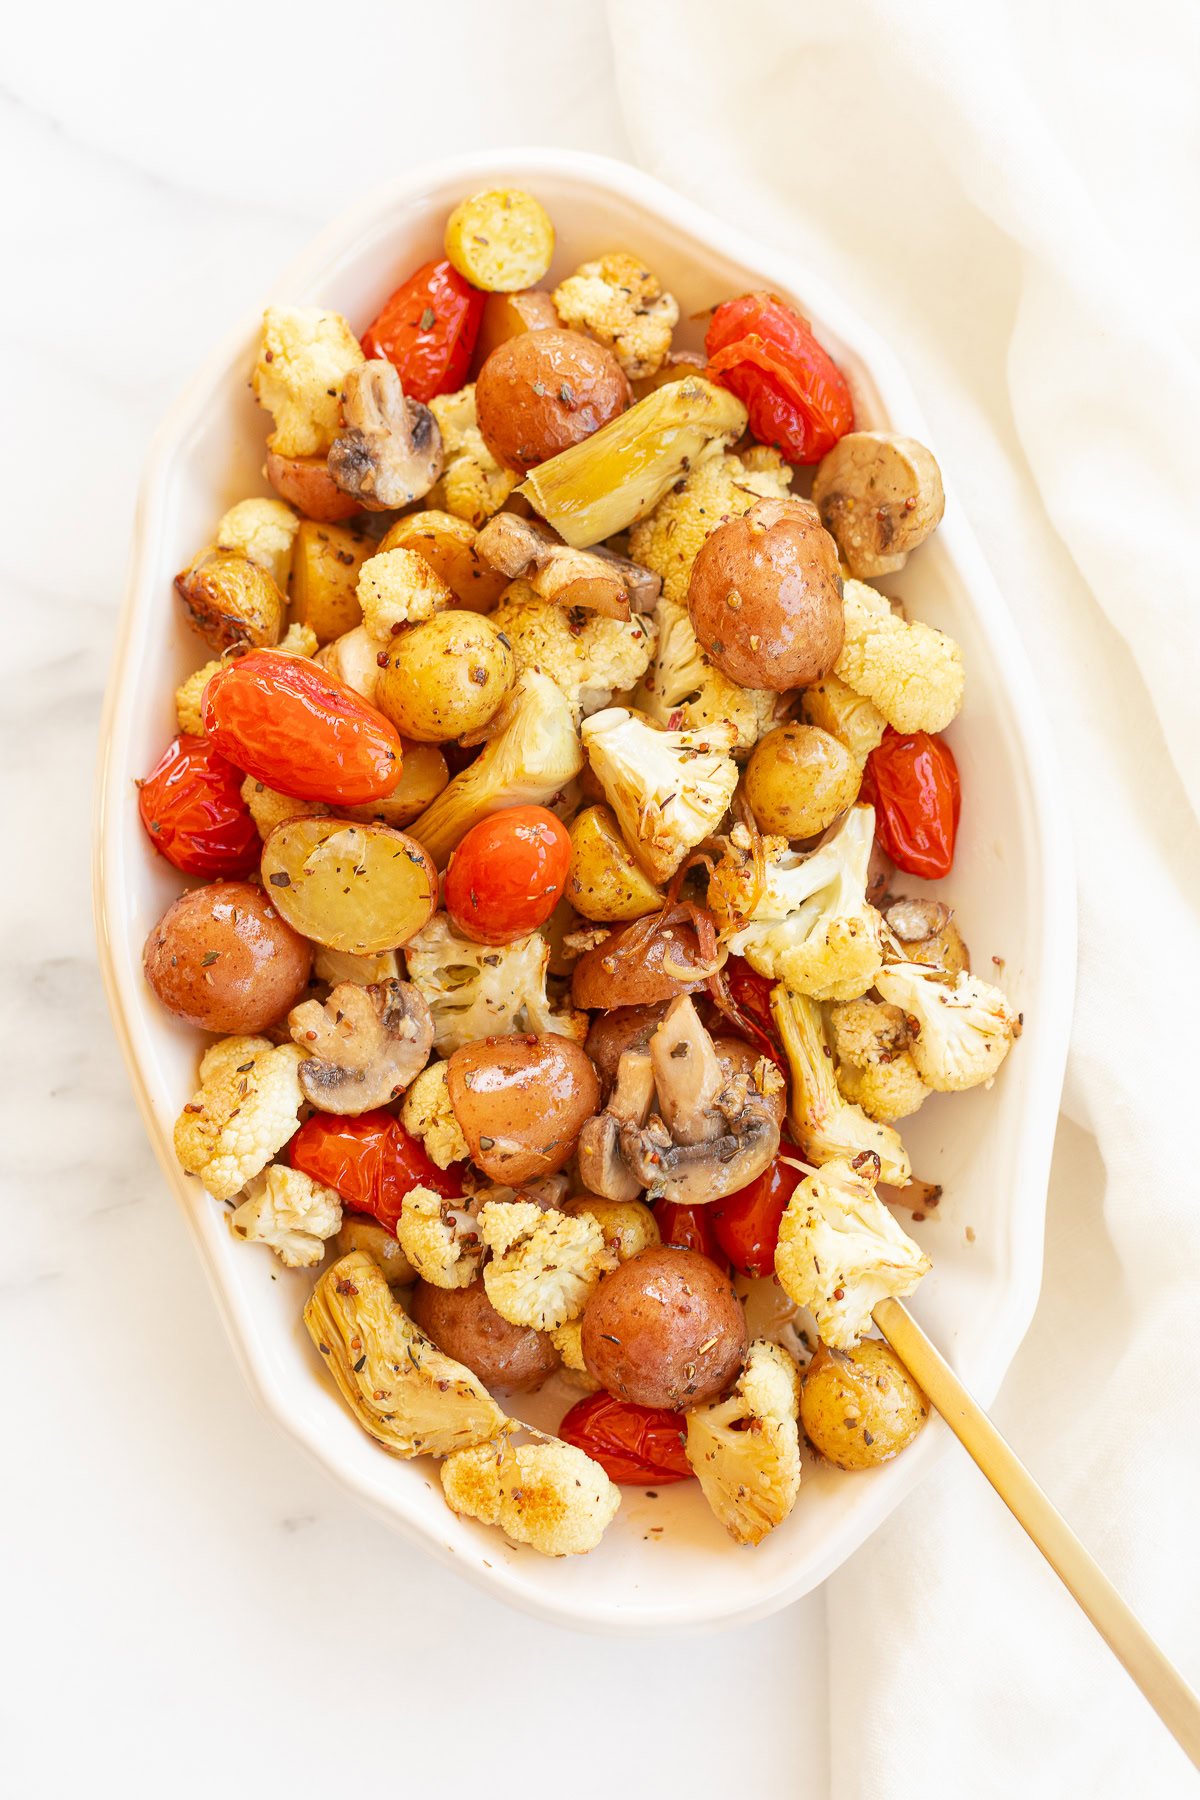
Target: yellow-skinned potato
{"type": "Point", "coordinates": [325, 564]}
{"type": "Point", "coordinates": [425, 775]}
{"type": "Point", "coordinates": [508, 315]}
{"type": "Point", "coordinates": [604, 882]}
{"type": "Point", "coordinates": [355, 887]}
{"type": "Point", "coordinates": [444, 677]}
{"type": "Point", "coordinates": [799, 779]}
{"type": "Point", "coordinates": [501, 241]}
{"type": "Point", "coordinates": [361, 1233]}
{"type": "Point", "coordinates": [860, 1407]}
{"type": "Point", "coordinates": [448, 546]}
{"type": "Point", "coordinates": [629, 1226]}
{"type": "Point", "coordinates": [230, 601]}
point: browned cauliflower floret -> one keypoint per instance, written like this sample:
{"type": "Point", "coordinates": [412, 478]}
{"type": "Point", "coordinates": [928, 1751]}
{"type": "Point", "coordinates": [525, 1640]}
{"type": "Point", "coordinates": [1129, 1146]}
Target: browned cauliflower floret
{"type": "Point", "coordinates": [246, 1109]}
{"type": "Point", "coordinates": [440, 1239]}
{"type": "Point", "coordinates": [303, 359]}
{"type": "Point", "coordinates": [265, 531]}
{"type": "Point", "coordinates": [620, 303]}
{"type": "Point", "coordinates": [291, 1213]}
{"type": "Point", "coordinates": [543, 1265]}
{"type": "Point", "coordinates": [746, 1449]}
{"type": "Point", "coordinates": [913, 673]}
{"type": "Point", "coordinates": [549, 1495]}
{"type": "Point", "coordinates": [587, 657]}
{"type": "Point", "coordinates": [875, 1067]}
{"type": "Point", "coordinates": [473, 486]}
{"type": "Point", "coordinates": [397, 588]}
{"type": "Point", "coordinates": [428, 1115]}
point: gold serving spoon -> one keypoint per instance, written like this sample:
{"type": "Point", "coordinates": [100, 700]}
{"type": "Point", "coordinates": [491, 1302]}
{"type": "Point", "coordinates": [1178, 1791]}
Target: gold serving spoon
{"type": "Point", "coordinates": [1160, 1681]}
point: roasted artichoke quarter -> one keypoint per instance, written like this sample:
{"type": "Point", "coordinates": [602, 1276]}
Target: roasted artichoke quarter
{"type": "Point", "coordinates": [399, 1387]}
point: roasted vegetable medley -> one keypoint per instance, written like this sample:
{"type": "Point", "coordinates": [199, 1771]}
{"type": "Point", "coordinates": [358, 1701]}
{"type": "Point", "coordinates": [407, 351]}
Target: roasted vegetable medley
{"type": "Point", "coordinates": [560, 790]}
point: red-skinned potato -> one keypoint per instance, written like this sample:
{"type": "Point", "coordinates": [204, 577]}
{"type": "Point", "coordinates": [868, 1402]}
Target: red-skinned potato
{"type": "Point", "coordinates": [765, 597]}
{"type": "Point", "coordinates": [521, 1101]}
{"type": "Point", "coordinates": [543, 391]}
{"type": "Point", "coordinates": [222, 959]}
{"type": "Point", "coordinates": [626, 1028]}
{"type": "Point", "coordinates": [464, 1324]}
{"type": "Point", "coordinates": [664, 1329]}
{"type": "Point", "coordinates": [627, 971]}
{"type": "Point", "coordinates": [305, 483]}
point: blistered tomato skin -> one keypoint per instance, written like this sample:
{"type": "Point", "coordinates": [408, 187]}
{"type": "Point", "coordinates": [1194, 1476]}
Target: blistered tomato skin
{"type": "Point", "coordinates": [797, 397]}
{"type": "Point", "coordinates": [427, 330]}
{"type": "Point", "coordinates": [192, 808]}
{"type": "Point", "coordinates": [371, 1161]}
{"type": "Point", "coordinates": [912, 782]}
{"type": "Point", "coordinates": [636, 1446]}
{"type": "Point", "coordinates": [301, 730]}
{"type": "Point", "coordinates": [507, 875]}
{"type": "Point", "coordinates": [746, 1224]}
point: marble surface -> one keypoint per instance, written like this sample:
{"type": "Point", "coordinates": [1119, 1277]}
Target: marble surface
{"type": "Point", "coordinates": [190, 1605]}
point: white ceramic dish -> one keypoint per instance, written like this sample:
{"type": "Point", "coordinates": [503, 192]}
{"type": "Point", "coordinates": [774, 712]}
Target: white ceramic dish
{"type": "Point", "coordinates": [1013, 886]}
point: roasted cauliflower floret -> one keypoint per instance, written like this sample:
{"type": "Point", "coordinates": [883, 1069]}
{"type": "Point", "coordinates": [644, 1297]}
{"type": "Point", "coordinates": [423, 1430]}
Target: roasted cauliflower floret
{"type": "Point", "coordinates": [621, 305]}
{"type": "Point", "coordinates": [484, 990]}
{"type": "Point", "coordinates": [913, 673]}
{"type": "Point", "coordinates": [962, 1028]}
{"type": "Point", "coordinates": [269, 808]}
{"type": "Point", "coordinates": [265, 531]}
{"type": "Point", "coordinates": [854, 720]}
{"type": "Point", "coordinates": [410, 1396]}
{"type": "Point", "coordinates": [543, 1265]}
{"type": "Point", "coordinates": [550, 1495]}
{"type": "Point", "coordinates": [473, 486]}
{"type": "Point", "coordinates": [440, 1239]}
{"type": "Point", "coordinates": [840, 1250]}
{"type": "Point", "coordinates": [303, 358]}
{"type": "Point", "coordinates": [427, 1114]}
{"type": "Point", "coordinates": [681, 688]}
{"type": "Point", "coordinates": [745, 1450]}
{"type": "Point", "coordinates": [875, 1068]}
{"type": "Point", "coordinates": [291, 1213]}
{"type": "Point", "coordinates": [246, 1109]}
{"type": "Point", "coordinates": [721, 488]}
{"type": "Point", "coordinates": [669, 789]}
{"type": "Point", "coordinates": [398, 588]}
{"type": "Point", "coordinates": [824, 1124]}
{"type": "Point", "coordinates": [809, 924]}
{"type": "Point", "coordinates": [588, 658]}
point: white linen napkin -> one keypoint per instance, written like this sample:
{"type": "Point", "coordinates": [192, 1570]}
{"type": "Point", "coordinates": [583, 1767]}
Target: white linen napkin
{"type": "Point", "coordinates": [1012, 196]}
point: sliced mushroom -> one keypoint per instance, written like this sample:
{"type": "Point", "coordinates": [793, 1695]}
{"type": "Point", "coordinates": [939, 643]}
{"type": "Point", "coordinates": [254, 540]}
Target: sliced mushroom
{"type": "Point", "coordinates": [687, 1075]}
{"type": "Point", "coordinates": [366, 1044]}
{"type": "Point", "coordinates": [598, 580]}
{"type": "Point", "coordinates": [693, 1174]}
{"type": "Point", "coordinates": [926, 932]}
{"type": "Point", "coordinates": [391, 451]}
{"type": "Point", "coordinates": [880, 496]}
{"type": "Point", "coordinates": [602, 1167]}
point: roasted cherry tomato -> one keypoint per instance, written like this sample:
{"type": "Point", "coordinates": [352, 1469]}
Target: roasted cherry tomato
{"type": "Point", "coordinates": [371, 1161]}
{"type": "Point", "coordinates": [507, 875]}
{"type": "Point", "coordinates": [746, 1224]}
{"type": "Point", "coordinates": [912, 782]}
{"type": "Point", "coordinates": [639, 1446]}
{"type": "Point", "coordinates": [765, 353]}
{"type": "Point", "coordinates": [299, 729]}
{"type": "Point", "coordinates": [428, 330]}
{"type": "Point", "coordinates": [689, 1226]}
{"type": "Point", "coordinates": [191, 804]}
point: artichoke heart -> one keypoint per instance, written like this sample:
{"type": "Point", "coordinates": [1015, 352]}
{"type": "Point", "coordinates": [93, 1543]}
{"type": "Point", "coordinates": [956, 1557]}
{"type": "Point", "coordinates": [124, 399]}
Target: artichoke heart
{"type": "Point", "coordinates": [400, 1388]}
{"type": "Point", "coordinates": [621, 472]}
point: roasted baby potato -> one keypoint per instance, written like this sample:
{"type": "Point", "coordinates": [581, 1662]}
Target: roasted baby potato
{"type": "Point", "coordinates": [358, 1232]}
{"type": "Point", "coordinates": [677, 367]}
{"type": "Point", "coordinates": [513, 1359]}
{"type": "Point", "coordinates": [446, 676]}
{"type": "Point", "coordinates": [362, 888]}
{"type": "Point", "coordinates": [325, 564]}
{"type": "Point", "coordinates": [860, 1407]}
{"type": "Point", "coordinates": [507, 316]}
{"type": "Point", "coordinates": [425, 775]}
{"type": "Point", "coordinates": [520, 1102]}
{"type": "Point", "coordinates": [542, 392]}
{"type": "Point", "coordinates": [501, 241]}
{"type": "Point", "coordinates": [448, 546]}
{"type": "Point", "coordinates": [880, 495]}
{"type": "Point", "coordinates": [230, 601]}
{"type": "Point", "coordinates": [799, 779]}
{"type": "Point", "coordinates": [605, 881]}
{"type": "Point", "coordinates": [664, 1329]}
{"type": "Point", "coordinates": [222, 959]}
{"type": "Point", "coordinates": [305, 483]}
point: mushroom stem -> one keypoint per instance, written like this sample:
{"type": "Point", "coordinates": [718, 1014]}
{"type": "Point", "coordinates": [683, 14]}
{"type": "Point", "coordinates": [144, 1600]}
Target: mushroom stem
{"type": "Point", "coordinates": [687, 1075]}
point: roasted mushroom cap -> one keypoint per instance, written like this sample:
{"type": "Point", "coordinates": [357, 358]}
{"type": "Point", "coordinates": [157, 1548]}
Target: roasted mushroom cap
{"type": "Point", "coordinates": [716, 1127]}
{"type": "Point", "coordinates": [391, 451]}
{"type": "Point", "coordinates": [366, 1044]}
{"type": "Point", "coordinates": [598, 580]}
{"type": "Point", "coordinates": [926, 931]}
{"type": "Point", "coordinates": [879, 496]}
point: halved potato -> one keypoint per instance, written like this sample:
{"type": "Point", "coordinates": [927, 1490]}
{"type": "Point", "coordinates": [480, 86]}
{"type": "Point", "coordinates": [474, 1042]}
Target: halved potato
{"type": "Point", "coordinates": [357, 887]}
{"type": "Point", "coordinates": [425, 775]}
{"type": "Point", "coordinates": [604, 881]}
{"type": "Point", "coordinates": [508, 315]}
{"type": "Point", "coordinates": [325, 564]}
{"type": "Point", "coordinates": [501, 240]}
{"type": "Point", "coordinates": [448, 546]}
